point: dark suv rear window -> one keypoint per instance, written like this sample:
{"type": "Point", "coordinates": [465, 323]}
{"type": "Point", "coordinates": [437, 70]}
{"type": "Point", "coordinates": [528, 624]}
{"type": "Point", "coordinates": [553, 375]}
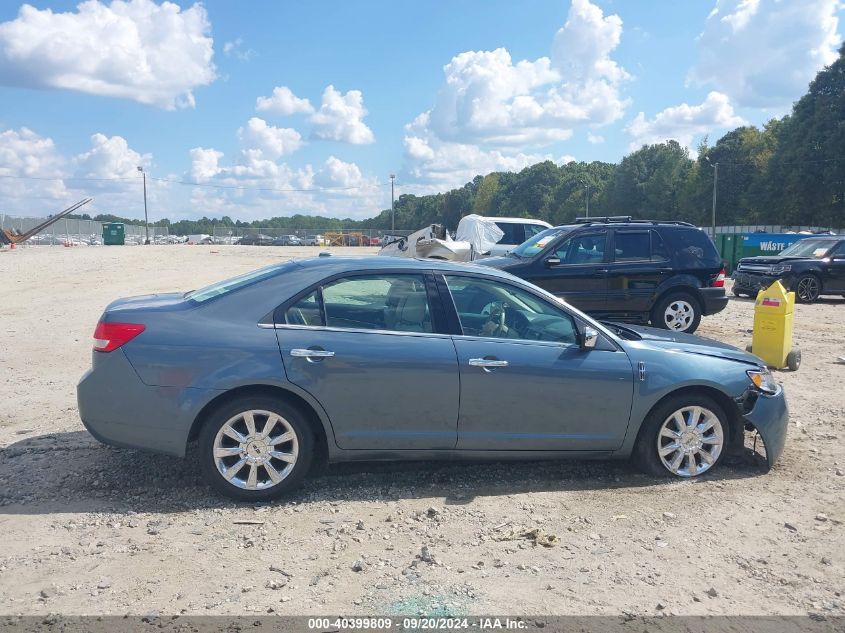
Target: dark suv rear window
{"type": "Point", "coordinates": [693, 248]}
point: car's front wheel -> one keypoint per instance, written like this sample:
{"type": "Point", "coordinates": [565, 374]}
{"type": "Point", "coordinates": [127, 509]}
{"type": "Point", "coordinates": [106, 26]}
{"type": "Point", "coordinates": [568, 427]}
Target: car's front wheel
{"type": "Point", "coordinates": [684, 436]}
{"type": "Point", "coordinates": [679, 312]}
{"type": "Point", "coordinates": [255, 448]}
{"type": "Point", "coordinates": [807, 288]}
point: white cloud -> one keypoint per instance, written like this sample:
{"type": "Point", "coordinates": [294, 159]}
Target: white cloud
{"type": "Point", "coordinates": [341, 118]}
{"type": "Point", "coordinates": [283, 102]}
{"type": "Point", "coordinates": [25, 153]}
{"type": "Point", "coordinates": [273, 142]}
{"type": "Point", "coordinates": [235, 48]}
{"type": "Point", "coordinates": [488, 99]}
{"type": "Point", "coordinates": [337, 173]}
{"type": "Point", "coordinates": [684, 122]}
{"type": "Point", "coordinates": [449, 165]}
{"type": "Point", "coordinates": [595, 139]}
{"type": "Point", "coordinates": [205, 163]}
{"type": "Point", "coordinates": [135, 49]}
{"type": "Point", "coordinates": [109, 157]}
{"type": "Point", "coordinates": [763, 53]}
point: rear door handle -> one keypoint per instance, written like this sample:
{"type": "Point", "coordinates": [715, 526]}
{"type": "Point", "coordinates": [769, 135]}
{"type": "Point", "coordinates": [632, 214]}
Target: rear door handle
{"type": "Point", "coordinates": [487, 363]}
{"type": "Point", "coordinates": [311, 353]}
{"type": "Point", "coordinates": [601, 272]}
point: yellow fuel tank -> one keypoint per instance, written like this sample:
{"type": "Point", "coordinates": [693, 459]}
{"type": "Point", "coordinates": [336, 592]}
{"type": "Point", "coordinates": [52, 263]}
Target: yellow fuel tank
{"type": "Point", "coordinates": [771, 339]}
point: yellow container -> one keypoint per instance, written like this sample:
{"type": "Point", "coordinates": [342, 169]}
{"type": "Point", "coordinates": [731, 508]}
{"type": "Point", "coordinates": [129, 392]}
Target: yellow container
{"type": "Point", "coordinates": [772, 336]}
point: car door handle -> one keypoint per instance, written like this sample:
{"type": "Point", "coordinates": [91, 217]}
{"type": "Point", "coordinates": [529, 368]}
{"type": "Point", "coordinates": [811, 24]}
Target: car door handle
{"type": "Point", "coordinates": [486, 363]}
{"type": "Point", "coordinates": [600, 272]}
{"type": "Point", "coordinates": [311, 353]}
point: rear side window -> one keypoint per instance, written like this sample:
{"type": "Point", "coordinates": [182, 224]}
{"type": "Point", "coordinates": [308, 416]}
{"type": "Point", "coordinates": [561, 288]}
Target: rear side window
{"type": "Point", "coordinates": [373, 302]}
{"type": "Point", "coordinates": [633, 247]}
{"type": "Point", "coordinates": [693, 248]}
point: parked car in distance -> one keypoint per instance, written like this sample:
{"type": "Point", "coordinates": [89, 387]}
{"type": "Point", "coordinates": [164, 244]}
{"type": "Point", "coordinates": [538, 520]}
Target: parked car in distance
{"type": "Point", "coordinates": [255, 240]}
{"type": "Point", "coordinates": [665, 273]}
{"type": "Point", "coordinates": [315, 240]}
{"type": "Point", "coordinates": [367, 358]}
{"type": "Point", "coordinates": [371, 240]}
{"type": "Point", "coordinates": [287, 240]}
{"type": "Point", "coordinates": [516, 231]}
{"type": "Point", "coordinates": [811, 267]}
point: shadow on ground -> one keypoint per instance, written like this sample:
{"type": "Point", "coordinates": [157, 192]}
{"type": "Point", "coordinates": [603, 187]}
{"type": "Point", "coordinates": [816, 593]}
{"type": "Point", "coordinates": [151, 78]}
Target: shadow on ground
{"type": "Point", "coordinates": [71, 472]}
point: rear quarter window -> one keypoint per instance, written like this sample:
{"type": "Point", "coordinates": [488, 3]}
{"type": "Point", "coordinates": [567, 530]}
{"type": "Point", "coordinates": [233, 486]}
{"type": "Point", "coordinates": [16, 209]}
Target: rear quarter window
{"type": "Point", "coordinates": [693, 248]}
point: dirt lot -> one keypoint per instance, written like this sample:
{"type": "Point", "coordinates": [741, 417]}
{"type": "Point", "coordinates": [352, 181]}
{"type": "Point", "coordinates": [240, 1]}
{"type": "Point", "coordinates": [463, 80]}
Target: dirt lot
{"type": "Point", "coordinates": [90, 529]}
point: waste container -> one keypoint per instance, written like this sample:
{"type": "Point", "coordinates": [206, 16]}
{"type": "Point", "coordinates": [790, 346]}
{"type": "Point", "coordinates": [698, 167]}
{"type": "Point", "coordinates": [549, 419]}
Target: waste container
{"type": "Point", "coordinates": [114, 234]}
{"type": "Point", "coordinates": [771, 339]}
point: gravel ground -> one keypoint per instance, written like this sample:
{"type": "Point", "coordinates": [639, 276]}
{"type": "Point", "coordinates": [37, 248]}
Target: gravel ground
{"type": "Point", "coordinates": [91, 529]}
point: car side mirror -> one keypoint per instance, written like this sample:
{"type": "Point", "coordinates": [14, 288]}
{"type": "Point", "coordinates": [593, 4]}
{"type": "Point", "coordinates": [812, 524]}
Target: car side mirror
{"type": "Point", "coordinates": [552, 261]}
{"type": "Point", "coordinates": [589, 338]}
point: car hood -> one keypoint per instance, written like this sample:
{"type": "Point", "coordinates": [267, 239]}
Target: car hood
{"type": "Point", "coordinates": [689, 343]}
{"type": "Point", "coordinates": [768, 260]}
{"type": "Point", "coordinates": [501, 263]}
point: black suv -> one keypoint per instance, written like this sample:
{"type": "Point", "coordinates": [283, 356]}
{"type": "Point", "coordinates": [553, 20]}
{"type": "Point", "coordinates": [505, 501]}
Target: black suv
{"type": "Point", "coordinates": [811, 267]}
{"type": "Point", "coordinates": [666, 273]}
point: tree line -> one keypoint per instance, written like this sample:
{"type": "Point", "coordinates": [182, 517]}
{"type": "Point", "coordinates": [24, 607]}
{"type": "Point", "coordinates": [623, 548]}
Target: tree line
{"type": "Point", "coordinates": [790, 172]}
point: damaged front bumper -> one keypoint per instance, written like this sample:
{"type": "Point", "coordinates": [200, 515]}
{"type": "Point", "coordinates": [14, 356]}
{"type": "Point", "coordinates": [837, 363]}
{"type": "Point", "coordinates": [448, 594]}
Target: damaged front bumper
{"type": "Point", "coordinates": [769, 416]}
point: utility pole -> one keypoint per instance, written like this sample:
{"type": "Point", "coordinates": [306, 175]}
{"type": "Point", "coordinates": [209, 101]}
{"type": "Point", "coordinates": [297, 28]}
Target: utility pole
{"type": "Point", "coordinates": [392, 205]}
{"type": "Point", "coordinates": [146, 218]}
{"type": "Point", "coordinates": [715, 167]}
{"type": "Point", "coordinates": [588, 199]}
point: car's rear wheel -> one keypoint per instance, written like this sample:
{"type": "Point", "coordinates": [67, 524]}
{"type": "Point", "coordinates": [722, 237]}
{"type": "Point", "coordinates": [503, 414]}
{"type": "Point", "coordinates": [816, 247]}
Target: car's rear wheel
{"type": "Point", "coordinates": [255, 448]}
{"type": "Point", "coordinates": [807, 288]}
{"type": "Point", "coordinates": [679, 312]}
{"type": "Point", "coordinates": [684, 436]}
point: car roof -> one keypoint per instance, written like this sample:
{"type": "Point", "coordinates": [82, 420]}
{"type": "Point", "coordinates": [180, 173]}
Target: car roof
{"type": "Point", "coordinates": [375, 263]}
{"type": "Point", "coordinates": [641, 224]}
{"type": "Point", "coordinates": [517, 220]}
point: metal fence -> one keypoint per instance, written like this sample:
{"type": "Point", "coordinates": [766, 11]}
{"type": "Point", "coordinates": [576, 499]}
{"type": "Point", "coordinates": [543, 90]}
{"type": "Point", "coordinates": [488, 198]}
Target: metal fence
{"type": "Point", "coordinates": [79, 232]}
{"type": "Point", "coordinates": [307, 237]}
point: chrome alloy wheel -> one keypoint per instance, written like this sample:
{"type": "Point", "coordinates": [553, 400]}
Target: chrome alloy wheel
{"type": "Point", "coordinates": [678, 315]}
{"type": "Point", "coordinates": [690, 441]}
{"type": "Point", "coordinates": [255, 450]}
{"type": "Point", "coordinates": [808, 289]}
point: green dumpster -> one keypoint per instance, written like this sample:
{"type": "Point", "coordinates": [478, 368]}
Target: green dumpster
{"type": "Point", "coordinates": [114, 234]}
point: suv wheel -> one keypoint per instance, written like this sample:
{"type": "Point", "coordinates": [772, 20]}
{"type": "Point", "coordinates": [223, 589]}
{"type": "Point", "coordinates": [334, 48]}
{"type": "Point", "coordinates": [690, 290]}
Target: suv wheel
{"type": "Point", "coordinates": [685, 436]}
{"type": "Point", "coordinates": [255, 448]}
{"type": "Point", "coordinates": [679, 312]}
{"type": "Point", "coordinates": [807, 288]}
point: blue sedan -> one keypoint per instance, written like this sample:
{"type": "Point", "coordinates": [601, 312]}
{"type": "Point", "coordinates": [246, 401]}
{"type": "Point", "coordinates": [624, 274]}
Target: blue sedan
{"type": "Point", "coordinates": [373, 358]}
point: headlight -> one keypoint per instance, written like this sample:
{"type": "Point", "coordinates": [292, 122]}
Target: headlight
{"type": "Point", "coordinates": [763, 380]}
{"type": "Point", "coordinates": [777, 269]}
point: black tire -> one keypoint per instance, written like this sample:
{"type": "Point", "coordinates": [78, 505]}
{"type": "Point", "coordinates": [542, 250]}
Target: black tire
{"type": "Point", "coordinates": [748, 348]}
{"type": "Point", "coordinates": [807, 288]}
{"type": "Point", "coordinates": [645, 454]}
{"type": "Point", "coordinates": [290, 416]}
{"type": "Point", "coordinates": [793, 359]}
{"type": "Point", "coordinates": [658, 312]}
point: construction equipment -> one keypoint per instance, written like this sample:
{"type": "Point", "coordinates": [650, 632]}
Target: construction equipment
{"type": "Point", "coordinates": [10, 236]}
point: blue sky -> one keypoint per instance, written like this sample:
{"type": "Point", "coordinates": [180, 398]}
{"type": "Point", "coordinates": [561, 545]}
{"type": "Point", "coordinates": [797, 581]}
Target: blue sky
{"type": "Point", "coordinates": [91, 90]}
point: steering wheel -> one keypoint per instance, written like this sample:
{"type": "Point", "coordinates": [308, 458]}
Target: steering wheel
{"type": "Point", "coordinates": [502, 321]}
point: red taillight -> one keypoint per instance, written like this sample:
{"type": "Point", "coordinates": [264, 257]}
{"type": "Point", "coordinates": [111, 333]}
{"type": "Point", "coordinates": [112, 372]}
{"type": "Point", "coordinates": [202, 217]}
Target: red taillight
{"type": "Point", "coordinates": [110, 336]}
{"type": "Point", "coordinates": [719, 282]}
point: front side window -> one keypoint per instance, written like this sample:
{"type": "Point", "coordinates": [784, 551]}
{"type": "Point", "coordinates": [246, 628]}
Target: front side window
{"type": "Point", "coordinates": [513, 233]}
{"type": "Point", "coordinates": [583, 249]}
{"type": "Point", "coordinates": [372, 302]}
{"type": "Point", "coordinates": [498, 310]}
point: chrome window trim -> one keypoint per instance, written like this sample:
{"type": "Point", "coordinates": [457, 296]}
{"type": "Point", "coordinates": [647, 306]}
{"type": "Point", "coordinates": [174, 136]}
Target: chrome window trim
{"type": "Point", "coordinates": [325, 328]}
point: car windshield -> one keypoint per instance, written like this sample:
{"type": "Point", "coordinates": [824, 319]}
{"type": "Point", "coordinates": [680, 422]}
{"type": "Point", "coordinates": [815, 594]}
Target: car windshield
{"type": "Point", "coordinates": [808, 248]}
{"type": "Point", "coordinates": [536, 244]}
{"type": "Point", "coordinates": [229, 285]}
